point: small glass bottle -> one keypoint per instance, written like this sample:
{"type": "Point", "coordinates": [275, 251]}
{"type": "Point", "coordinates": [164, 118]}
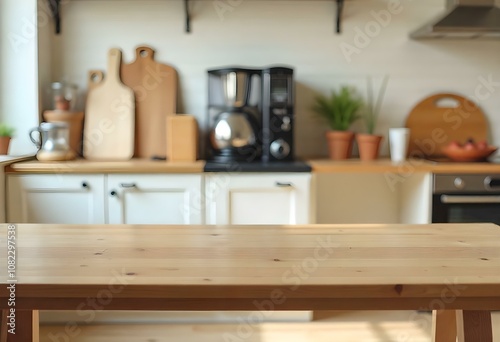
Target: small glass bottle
{"type": "Point", "coordinates": [63, 96]}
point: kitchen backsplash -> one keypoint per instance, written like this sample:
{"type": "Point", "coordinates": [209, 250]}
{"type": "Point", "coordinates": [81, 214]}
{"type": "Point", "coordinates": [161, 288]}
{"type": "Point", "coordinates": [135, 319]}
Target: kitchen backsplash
{"type": "Point", "coordinates": [301, 34]}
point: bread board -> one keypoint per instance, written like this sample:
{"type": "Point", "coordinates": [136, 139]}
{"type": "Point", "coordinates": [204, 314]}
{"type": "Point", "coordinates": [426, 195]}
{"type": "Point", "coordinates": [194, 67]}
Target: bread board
{"type": "Point", "coordinates": [110, 116]}
{"type": "Point", "coordinates": [155, 89]}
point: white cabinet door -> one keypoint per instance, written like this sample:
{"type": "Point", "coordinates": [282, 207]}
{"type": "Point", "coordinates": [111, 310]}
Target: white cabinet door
{"type": "Point", "coordinates": [155, 199]}
{"type": "Point", "coordinates": [70, 199]}
{"type": "Point", "coordinates": [271, 198]}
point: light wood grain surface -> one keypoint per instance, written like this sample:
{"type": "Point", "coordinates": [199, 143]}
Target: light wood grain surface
{"type": "Point", "coordinates": [311, 267]}
{"type": "Point", "coordinates": [318, 166]}
{"type": "Point", "coordinates": [86, 166]}
{"type": "Point", "coordinates": [407, 167]}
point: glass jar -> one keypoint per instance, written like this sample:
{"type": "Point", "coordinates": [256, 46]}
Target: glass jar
{"type": "Point", "coordinates": [63, 96]}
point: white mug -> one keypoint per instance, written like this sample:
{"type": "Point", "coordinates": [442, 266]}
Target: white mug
{"type": "Point", "coordinates": [399, 139]}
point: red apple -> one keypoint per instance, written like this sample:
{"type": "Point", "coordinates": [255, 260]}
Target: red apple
{"type": "Point", "coordinates": [455, 145]}
{"type": "Point", "coordinates": [482, 145]}
{"type": "Point", "coordinates": [470, 146]}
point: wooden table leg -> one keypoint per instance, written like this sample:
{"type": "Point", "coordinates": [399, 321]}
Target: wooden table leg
{"type": "Point", "coordinates": [474, 326]}
{"type": "Point", "coordinates": [444, 326]}
{"type": "Point", "coordinates": [26, 326]}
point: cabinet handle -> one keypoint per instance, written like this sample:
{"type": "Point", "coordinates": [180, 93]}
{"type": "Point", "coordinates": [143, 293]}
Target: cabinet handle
{"type": "Point", "coordinates": [284, 184]}
{"type": "Point", "coordinates": [85, 185]}
{"type": "Point", "coordinates": [128, 185]}
{"type": "Point", "coordinates": [113, 193]}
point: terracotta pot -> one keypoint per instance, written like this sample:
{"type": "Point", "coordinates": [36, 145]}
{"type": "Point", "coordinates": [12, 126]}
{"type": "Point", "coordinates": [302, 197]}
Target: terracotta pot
{"type": "Point", "coordinates": [4, 145]}
{"type": "Point", "coordinates": [369, 145]}
{"type": "Point", "coordinates": [339, 144]}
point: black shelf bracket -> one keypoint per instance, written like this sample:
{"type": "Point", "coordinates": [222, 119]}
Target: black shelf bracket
{"type": "Point", "coordinates": [340, 8]}
{"type": "Point", "coordinates": [188, 16]}
{"type": "Point", "coordinates": [55, 7]}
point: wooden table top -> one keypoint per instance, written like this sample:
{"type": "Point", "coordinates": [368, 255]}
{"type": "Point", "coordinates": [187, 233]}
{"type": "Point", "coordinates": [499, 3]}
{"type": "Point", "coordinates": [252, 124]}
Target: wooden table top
{"type": "Point", "coordinates": [312, 266]}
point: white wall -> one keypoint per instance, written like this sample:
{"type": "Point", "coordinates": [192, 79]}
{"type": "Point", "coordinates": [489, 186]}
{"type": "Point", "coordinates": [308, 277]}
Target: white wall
{"type": "Point", "coordinates": [257, 33]}
{"type": "Point", "coordinates": [18, 71]}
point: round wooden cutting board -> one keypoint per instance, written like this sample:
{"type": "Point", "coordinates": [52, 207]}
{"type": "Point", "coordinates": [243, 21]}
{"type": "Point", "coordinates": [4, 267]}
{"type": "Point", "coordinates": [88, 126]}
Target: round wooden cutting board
{"type": "Point", "coordinates": [434, 123]}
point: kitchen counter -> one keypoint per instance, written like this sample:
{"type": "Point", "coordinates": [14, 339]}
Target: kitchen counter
{"type": "Point", "coordinates": [408, 167]}
{"type": "Point", "coordinates": [86, 166]}
{"type": "Point", "coordinates": [24, 165]}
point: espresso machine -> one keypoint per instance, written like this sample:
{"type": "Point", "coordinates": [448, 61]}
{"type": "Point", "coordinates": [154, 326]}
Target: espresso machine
{"type": "Point", "coordinates": [234, 115]}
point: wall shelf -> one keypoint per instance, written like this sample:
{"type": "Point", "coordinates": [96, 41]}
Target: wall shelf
{"type": "Point", "coordinates": [55, 6]}
{"type": "Point", "coordinates": [188, 16]}
{"type": "Point", "coordinates": [340, 8]}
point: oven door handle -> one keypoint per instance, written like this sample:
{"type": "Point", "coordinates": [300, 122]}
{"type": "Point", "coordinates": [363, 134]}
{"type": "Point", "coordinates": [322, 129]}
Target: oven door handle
{"type": "Point", "coordinates": [469, 199]}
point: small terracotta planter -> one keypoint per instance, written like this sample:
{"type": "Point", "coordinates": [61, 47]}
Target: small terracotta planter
{"type": "Point", "coordinates": [4, 145]}
{"type": "Point", "coordinates": [339, 144]}
{"type": "Point", "coordinates": [369, 146]}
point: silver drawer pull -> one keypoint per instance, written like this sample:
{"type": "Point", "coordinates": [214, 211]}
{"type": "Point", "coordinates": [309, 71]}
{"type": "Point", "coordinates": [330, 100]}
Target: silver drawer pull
{"type": "Point", "coordinates": [284, 184]}
{"type": "Point", "coordinates": [469, 199]}
{"type": "Point", "coordinates": [128, 185]}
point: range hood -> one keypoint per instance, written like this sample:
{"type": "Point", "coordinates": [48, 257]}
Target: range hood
{"type": "Point", "coordinates": [466, 19]}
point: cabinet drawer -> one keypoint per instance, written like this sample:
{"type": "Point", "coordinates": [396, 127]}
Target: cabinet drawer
{"type": "Point", "coordinates": [154, 199]}
{"type": "Point", "coordinates": [65, 199]}
{"type": "Point", "coordinates": [258, 198]}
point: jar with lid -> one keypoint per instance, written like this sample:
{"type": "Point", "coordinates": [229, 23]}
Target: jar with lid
{"type": "Point", "coordinates": [63, 96]}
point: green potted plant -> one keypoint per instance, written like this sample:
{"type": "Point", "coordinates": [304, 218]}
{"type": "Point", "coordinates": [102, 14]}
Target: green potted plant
{"type": "Point", "coordinates": [6, 133]}
{"type": "Point", "coordinates": [369, 143]}
{"type": "Point", "coordinates": [340, 110]}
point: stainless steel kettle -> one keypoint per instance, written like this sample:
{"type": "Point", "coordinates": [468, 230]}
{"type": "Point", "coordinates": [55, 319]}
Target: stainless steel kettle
{"type": "Point", "coordinates": [232, 130]}
{"type": "Point", "coordinates": [53, 142]}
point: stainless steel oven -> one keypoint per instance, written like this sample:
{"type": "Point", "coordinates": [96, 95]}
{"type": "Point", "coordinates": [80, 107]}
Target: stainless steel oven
{"type": "Point", "coordinates": [466, 198]}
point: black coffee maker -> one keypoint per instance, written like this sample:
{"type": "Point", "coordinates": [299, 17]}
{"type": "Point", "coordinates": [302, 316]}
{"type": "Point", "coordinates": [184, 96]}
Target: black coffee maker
{"type": "Point", "coordinates": [250, 114]}
{"type": "Point", "coordinates": [235, 114]}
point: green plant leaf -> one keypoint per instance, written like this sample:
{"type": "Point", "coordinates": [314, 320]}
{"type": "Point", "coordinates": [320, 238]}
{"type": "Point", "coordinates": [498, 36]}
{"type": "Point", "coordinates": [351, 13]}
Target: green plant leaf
{"type": "Point", "coordinates": [341, 109]}
{"type": "Point", "coordinates": [6, 131]}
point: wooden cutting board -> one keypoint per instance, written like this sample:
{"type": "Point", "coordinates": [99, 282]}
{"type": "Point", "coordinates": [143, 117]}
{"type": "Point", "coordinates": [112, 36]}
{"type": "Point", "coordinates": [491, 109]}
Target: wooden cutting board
{"type": "Point", "coordinates": [433, 126]}
{"type": "Point", "coordinates": [109, 117]}
{"type": "Point", "coordinates": [155, 89]}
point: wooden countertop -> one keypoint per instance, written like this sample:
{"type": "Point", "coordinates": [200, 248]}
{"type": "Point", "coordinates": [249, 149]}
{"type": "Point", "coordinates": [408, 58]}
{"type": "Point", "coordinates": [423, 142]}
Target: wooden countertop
{"type": "Point", "coordinates": [229, 267]}
{"type": "Point", "coordinates": [20, 165]}
{"type": "Point", "coordinates": [86, 166]}
{"type": "Point", "coordinates": [407, 167]}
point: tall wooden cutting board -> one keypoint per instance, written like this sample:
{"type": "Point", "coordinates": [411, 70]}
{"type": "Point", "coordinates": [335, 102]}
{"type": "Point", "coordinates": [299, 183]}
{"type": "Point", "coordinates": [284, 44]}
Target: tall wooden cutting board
{"type": "Point", "coordinates": [109, 117]}
{"type": "Point", "coordinates": [155, 89]}
{"type": "Point", "coordinates": [433, 126]}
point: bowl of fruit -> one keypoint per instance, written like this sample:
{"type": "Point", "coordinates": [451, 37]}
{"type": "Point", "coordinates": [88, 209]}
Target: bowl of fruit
{"type": "Point", "coordinates": [468, 152]}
